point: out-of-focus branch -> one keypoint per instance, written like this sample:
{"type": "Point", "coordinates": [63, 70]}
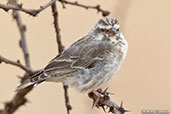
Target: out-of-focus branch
{"type": "Point", "coordinates": [22, 42]}
{"type": "Point", "coordinates": [60, 49]}
{"type": "Point", "coordinates": [97, 7]}
{"type": "Point", "coordinates": [104, 102]}
{"type": "Point", "coordinates": [32, 12]}
{"type": "Point", "coordinates": [19, 98]}
{"type": "Point", "coordinates": [17, 101]}
{"type": "Point", "coordinates": [17, 63]}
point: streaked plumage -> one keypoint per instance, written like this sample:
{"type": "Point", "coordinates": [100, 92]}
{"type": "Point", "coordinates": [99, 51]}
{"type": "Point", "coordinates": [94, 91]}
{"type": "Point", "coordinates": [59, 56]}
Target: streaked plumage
{"type": "Point", "coordinates": [89, 62]}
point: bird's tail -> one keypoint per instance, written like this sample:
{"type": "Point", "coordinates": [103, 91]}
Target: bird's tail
{"type": "Point", "coordinates": [33, 80]}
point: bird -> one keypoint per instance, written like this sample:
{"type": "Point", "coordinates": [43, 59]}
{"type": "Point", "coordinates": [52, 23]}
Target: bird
{"type": "Point", "coordinates": [88, 63]}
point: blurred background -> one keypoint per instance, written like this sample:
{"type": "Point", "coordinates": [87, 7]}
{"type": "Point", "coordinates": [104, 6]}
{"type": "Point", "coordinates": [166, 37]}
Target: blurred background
{"type": "Point", "coordinates": [144, 80]}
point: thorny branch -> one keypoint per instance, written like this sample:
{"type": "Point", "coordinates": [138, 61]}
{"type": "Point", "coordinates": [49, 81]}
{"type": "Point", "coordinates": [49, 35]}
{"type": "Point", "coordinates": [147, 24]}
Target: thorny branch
{"type": "Point", "coordinates": [22, 42]}
{"type": "Point", "coordinates": [60, 49]}
{"type": "Point", "coordinates": [17, 101]}
{"type": "Point", "coordinates": [32, 12]}
{"type": "Point", "coordinates": [104, 102]}
{"type": "Point", "coordinates": [19, 98]}
{"type": "Point", "coordinates": [97, 7]}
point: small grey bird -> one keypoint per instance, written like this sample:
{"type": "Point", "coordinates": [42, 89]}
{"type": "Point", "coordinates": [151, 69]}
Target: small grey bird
{"type": "Point", "coordinates": [89, 62]}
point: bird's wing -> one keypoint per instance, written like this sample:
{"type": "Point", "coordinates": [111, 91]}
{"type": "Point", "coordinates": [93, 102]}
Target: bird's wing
{"type": "Point", "coordinates": [78, 56]}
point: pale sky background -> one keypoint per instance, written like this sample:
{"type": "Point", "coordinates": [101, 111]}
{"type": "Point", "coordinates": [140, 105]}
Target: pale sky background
{"type": "Point", "coordinates": [144, 80]}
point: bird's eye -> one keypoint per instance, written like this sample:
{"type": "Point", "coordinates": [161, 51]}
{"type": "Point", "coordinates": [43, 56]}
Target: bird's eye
{"type": "Point", "coordinates": [103, 30]}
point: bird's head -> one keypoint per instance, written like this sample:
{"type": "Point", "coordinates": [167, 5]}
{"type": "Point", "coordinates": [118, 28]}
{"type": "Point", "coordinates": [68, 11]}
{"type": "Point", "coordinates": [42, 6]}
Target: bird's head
{"type": "Point", "coordinates": [106, 26]}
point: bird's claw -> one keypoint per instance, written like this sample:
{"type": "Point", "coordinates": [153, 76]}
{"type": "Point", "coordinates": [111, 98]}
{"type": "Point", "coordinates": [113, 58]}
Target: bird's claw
{"type": "Point", "coordinates": [100, 98]}
{"type": "Point", "coordinates": [99, 94]}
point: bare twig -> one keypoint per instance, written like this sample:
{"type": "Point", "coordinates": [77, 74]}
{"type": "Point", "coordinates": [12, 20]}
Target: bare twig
{"type": "Point", "coordinates": [32, 12]}
{"type": "Point", "coordinates": [17, 63]}
{"type": "Point", "coordinates": [22, 43]}
{"type": "Point", "coordinates": [67, 103]}
{"type": "Point", "coordinates": [60, 49]}
{"type": "Point", "coordinates": [97, 7]}
{"type": "Point", "coordinates": [104, 102]}
{"type": "Point", "coordinates": [57, 29]}
{"type": "Point", "coordinates": [19, 98]}
{"type": "Point", "coordinates": [17, 101]}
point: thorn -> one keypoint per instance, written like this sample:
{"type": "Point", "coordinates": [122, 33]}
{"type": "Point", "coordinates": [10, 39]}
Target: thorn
{"type": "Point", "coordinates": [63, 6]}
{"type": "Point", "coordinates": [121, 106]}
{"type": "Point", "coordinates": [96, 98]}
{"type": "Point", "coordinates": [121, 109]}
{"type": "Point", "coordinates": [20, 43]}
{"type": "Point", "coordinates": [6, 10]}
{"type": "Point", "coordinates": [105, 91]}
{"type": "Point", "coordinates": [28, 101]}
{"type": "Point", "coordinates": [20, 77]}
{"type": "Point", "coordinates": [106, 94]}
{"type": "Point", "coordinates": [104, 109]}
{"type": "Point", "coordinates": [18, 61]}
{"type": "Point", "coordinates": [20, 5]}
{"type": "Point", "coordinates": [127, 110]}
{"type": "Point", "coordinates": [23, 28]}
{"type": "Point", "coordinates": [98, 7]}
{"type": "Point", "coordinates": [76, 2]}
{"type": "Point", "coordinates": [93, 104]}
{"type": "Point", "coordinates": [105, 13]}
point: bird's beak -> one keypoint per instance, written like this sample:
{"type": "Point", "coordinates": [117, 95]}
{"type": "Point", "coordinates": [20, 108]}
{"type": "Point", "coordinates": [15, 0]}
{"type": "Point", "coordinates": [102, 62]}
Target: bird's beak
{"type": "Point", "coordinates": [112, 31]}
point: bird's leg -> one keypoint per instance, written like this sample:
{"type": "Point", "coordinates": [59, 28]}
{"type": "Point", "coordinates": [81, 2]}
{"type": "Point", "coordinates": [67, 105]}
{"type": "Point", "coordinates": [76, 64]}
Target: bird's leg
{"type": "Point", "coordinates": [96, 95]}
{"type": "Point", "coordinates": [95, 101]}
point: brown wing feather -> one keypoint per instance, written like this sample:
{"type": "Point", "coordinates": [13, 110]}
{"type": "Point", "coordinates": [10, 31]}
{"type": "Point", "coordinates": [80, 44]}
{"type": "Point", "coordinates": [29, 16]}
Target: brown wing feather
{"type": "Point", "coordinates": [79, 55]}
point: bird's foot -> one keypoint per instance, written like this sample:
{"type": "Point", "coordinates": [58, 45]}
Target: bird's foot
{"type": "Point", "coordinates": [97, 96]}
{"type": "Point", "coordinates": [101, 99]}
